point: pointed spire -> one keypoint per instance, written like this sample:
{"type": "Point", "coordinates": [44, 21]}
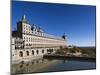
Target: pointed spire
{"type": "Point", "coordinates": [24, 18]}
{"type": "Point", "coordinates": [64, 36]}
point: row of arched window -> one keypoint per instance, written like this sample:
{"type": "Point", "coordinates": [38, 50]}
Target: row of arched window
{"type": "Point", "coordinates": [27, 53]}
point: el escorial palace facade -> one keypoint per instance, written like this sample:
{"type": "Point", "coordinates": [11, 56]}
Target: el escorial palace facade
{"type": "Point", "coordinates": [30, 42]}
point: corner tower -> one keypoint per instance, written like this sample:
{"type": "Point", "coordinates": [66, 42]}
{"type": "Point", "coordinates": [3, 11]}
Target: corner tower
{"type": "Point", "coordinates": [21, 26]}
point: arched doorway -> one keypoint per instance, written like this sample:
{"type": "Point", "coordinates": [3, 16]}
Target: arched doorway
{"type": "Point", "coordinates": [42, 51]}
{"type": "Point", "coordinates": [27, 53]}
{"type": "Point", "coordinates": [37, 52]}
{"type": "Point", "coordinates": [32, 52]}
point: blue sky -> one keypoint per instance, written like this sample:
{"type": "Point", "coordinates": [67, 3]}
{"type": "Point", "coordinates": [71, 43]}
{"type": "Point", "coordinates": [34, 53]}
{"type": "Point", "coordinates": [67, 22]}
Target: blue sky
{"type": "Point", "coordinates": [77, 21]}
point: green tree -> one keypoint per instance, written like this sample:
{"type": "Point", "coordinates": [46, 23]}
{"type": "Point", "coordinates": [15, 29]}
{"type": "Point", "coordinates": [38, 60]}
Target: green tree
{"type": "Point", "coordinates": [75, 50]}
